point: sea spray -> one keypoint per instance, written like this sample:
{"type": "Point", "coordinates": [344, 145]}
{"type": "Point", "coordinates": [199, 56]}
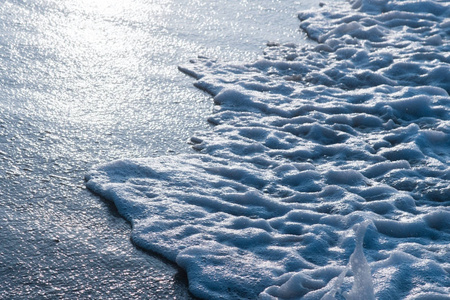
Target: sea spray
{"type": "Point", "coordinates": [362, 285]}
{"type": "Point", "coordinates": [362, 278]}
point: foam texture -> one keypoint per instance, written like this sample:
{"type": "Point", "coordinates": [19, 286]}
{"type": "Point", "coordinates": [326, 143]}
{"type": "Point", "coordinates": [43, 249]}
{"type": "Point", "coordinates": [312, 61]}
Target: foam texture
{"type": "Point", "coordinates": [327, 172]}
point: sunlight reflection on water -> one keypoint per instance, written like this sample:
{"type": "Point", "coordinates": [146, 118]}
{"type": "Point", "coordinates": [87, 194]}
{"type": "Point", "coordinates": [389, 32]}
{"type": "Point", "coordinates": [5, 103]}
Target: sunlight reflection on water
{"type": "Point", "coordinates": [89, 81]}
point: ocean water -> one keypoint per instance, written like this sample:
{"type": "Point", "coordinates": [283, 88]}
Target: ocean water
{"type": "Point", "coordinates": [327, 172]}
{"type": "Point", "coordinates": [88, 82]}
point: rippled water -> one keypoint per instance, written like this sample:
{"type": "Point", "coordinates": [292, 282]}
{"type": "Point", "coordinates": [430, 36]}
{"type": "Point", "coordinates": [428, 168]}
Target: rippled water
{"type": "Point", "coordinates": [85, 82]}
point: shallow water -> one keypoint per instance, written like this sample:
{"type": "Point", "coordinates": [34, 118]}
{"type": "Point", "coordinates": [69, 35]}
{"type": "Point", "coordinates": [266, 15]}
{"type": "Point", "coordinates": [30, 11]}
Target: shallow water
{"type": "Point", "coordinates": [86, 82]}
{"type": "Point", "coordinates": [327, 173]}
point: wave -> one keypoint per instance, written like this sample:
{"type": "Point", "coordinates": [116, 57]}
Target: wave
{"type": "Point", "coordinates": [327, 172]}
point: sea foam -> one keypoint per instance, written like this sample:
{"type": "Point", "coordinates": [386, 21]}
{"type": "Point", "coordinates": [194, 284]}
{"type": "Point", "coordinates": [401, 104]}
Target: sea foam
{"type": "Point", "coordinates": [327, 172]}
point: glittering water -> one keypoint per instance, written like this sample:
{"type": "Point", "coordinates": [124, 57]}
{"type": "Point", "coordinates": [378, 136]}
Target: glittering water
{"type": "Point", "coordinates": [89, 81]}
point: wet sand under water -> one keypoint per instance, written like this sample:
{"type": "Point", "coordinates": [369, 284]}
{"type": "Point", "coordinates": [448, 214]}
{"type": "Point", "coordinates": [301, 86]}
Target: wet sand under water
{"type": "Point", "coordinates": [87, 82]}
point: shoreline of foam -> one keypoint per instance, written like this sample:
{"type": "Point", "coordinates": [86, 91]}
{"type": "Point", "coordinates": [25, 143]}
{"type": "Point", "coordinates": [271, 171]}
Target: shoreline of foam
{"type": "Point", "coordinates": [310, 145]}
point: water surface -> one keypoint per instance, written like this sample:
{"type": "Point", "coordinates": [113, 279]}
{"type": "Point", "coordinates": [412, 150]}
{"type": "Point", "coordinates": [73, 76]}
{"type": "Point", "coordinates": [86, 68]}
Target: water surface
{"type": "Point", "coordinates": [86, 82]}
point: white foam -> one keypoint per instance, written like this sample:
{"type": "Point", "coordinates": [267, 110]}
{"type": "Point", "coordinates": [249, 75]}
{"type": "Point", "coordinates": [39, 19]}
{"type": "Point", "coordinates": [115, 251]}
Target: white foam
{"type": "Point", "coordinates": [310, 143]}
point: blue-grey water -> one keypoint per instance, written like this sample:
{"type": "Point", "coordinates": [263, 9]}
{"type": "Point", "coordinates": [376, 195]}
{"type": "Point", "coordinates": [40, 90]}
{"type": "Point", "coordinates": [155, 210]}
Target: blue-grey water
{"type": "Point", "coordinates": [89, 81]}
